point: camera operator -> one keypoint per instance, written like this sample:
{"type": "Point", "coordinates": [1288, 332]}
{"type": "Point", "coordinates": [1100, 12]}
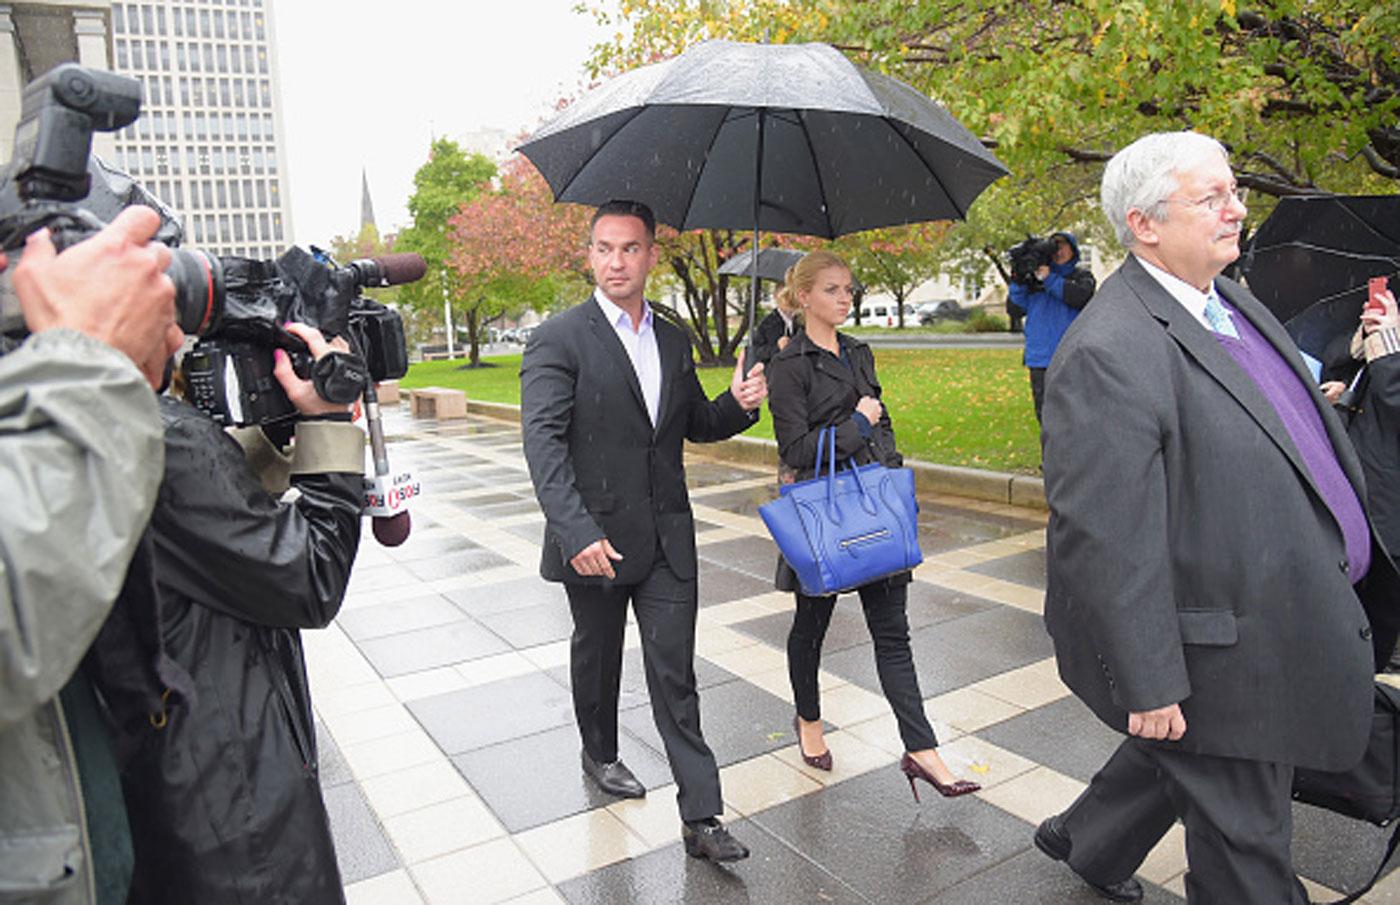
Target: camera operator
{"type": "Point", "coordinates": [1051, 296]}
{"type": "Point", "coordinates": [80, 461]}
{"type": "Point", "coordinates": [201, 662]}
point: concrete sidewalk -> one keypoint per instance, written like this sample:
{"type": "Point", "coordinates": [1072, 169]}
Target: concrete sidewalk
{"type": "Point", "coordinates": [450, 757]}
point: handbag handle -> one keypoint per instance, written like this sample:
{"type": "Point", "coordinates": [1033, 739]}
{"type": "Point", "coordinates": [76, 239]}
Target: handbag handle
{"type": "Point", "coordinates": [832, 511]}
{"type": "Point", "coordinates": [867, 501]}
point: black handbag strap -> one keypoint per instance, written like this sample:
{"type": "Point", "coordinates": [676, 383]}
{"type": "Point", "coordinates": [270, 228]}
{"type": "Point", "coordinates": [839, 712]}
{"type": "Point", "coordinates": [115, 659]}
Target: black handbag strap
{"type": "Point", "coordinates": [1389, 850]}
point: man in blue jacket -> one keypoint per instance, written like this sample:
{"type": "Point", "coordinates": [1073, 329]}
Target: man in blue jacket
{"type": "Point", "coordinates": [1051, 302]}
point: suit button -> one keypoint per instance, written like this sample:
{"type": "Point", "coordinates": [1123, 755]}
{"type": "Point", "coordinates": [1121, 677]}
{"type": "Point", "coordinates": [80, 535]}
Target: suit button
{"type": "Point", "coordinates": [1366, 633]}
{"type": "Point", "coordinates": [1342, 565]}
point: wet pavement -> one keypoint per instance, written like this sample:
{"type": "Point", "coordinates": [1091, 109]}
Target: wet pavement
{"type": "Point", "coordinates": [450, 756]}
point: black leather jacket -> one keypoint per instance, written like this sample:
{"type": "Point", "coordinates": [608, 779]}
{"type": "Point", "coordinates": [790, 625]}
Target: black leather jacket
{"type": "Point", "coordinates": [221, 778]}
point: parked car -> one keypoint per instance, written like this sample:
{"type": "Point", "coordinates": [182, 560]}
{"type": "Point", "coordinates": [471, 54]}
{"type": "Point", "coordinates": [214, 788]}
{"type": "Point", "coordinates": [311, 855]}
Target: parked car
{"type": "Point", "coordinates": [941, 310]}
{"type": "Point", "coordinates": [882, 314]}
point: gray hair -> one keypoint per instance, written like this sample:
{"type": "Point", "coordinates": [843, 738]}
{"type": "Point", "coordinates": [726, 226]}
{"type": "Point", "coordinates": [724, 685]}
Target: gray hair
{"type": "Point", "coordinates": [1144, 174]}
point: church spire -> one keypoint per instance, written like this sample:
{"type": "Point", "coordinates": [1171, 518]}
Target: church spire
{"type": "Point", "coordinates": [366, 208]}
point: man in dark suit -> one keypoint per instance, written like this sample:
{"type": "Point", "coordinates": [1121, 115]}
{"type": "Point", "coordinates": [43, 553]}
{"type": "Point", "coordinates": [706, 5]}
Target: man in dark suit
{"type": "Point", "coordinates": [608, 397]}
{"type": "Point", "coordinates": [1211, 567]}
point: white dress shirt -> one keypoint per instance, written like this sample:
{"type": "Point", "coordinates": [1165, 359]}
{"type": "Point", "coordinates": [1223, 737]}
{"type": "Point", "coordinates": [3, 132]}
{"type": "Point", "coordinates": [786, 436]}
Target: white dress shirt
{"type": "Point", "coordinates": [1191, 298]}
{"type": "Point", "coordinates": [641, 349]}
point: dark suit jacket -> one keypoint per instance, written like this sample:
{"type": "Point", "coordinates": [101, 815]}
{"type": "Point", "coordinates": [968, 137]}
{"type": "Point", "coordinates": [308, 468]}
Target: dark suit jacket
{"type": "Point", "coordinates": [766, 335]}
{"type": "Point", "coordinates": [1190, 557]}
{"type": "Point", "coordinates": [599, 468]}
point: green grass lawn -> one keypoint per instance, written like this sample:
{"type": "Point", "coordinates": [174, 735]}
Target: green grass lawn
{"type": "Point", "coordinates": [954, 406]}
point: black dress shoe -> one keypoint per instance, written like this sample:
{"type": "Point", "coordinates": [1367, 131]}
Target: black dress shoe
{"type": "Point", "coordinates": [709, 839]}
{"type": "Point", "coordinates": [1051, 838]}
{"type": "Point", "coordinates": [613, 778]}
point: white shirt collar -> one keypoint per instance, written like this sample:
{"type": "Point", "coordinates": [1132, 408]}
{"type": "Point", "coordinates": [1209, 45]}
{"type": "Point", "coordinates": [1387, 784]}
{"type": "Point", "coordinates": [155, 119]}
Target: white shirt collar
{"type": "Point", "coordinates": [1191, 298]}
{"type": "Point", "coordinates": [619, 318]}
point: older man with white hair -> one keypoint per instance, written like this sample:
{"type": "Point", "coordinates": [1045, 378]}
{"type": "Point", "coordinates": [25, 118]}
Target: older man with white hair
{"type": "Point", "coordinates": [1213, 576]}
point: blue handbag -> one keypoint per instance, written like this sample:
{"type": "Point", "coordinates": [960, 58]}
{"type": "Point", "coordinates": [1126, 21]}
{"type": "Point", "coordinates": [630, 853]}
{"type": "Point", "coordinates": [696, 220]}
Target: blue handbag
{"type": "Point", "coordinates": [841, 530]}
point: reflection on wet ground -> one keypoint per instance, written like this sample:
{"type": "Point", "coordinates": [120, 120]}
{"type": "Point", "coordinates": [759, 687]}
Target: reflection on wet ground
{"type": "Point", "coordinates": [450, 756]}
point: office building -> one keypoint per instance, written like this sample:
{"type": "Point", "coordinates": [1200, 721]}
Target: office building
{"type": "Point", "coordinates": [39, 35]}
{"type": "Point", "coordinates": [209, 140]}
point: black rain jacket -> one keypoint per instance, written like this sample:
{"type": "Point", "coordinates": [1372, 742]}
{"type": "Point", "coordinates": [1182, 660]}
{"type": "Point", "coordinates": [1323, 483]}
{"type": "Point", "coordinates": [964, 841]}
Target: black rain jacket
{"type": "Point", "coordinates": [809, 390]}
{"type": "Point", "coordinates": [201, 668]}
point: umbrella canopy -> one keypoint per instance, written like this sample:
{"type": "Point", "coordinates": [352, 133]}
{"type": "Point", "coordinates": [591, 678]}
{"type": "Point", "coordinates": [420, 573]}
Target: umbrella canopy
{"type": "Point", "coordinates": [773, 263]}
{"type": "Point", "coordinates": [833, 148]}
{"type": "Point", "coordinates": [1309, 263]}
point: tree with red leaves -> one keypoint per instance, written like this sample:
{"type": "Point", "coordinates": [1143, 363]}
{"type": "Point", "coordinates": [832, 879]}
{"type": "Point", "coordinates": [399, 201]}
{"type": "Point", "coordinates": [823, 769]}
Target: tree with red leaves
{"type": "Point", "coordinates": [513, 249]}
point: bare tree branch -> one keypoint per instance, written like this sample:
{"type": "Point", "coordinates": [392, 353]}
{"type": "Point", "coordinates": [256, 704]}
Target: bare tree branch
{"type": "Point", "coordinates": [1378, 163]}
{"type": "Point", "coordinates": [1277, 166]}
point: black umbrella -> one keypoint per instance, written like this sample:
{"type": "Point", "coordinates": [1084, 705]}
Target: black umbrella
{"type": "Point", "coordinates": [1309, 263]}
{"type": "Point", "coordinates": [789, 138]}
{"type": "Point", "coordinates": [773, 264]}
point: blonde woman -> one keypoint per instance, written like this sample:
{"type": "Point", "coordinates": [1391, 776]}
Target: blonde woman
{"type": "Point", "coordinates": [822, 379]}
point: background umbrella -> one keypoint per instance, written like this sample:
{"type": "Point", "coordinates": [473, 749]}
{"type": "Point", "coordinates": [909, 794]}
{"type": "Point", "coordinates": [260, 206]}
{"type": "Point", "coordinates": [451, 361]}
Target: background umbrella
{"type": "Point", "coordinates": [773, 264]}
{"type": "Point", "coordinates": [789, 138]}
{"type": "Point", "coordinates": [1309, 263]}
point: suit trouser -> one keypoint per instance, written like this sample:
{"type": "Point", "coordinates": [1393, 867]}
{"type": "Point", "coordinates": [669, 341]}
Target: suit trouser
{"type": "Point", "coordinates": [886, 615]}
{"type": "Point", "coordinates": [1238, 817]}
{"type": "Point", "coordinates": [666, 609]}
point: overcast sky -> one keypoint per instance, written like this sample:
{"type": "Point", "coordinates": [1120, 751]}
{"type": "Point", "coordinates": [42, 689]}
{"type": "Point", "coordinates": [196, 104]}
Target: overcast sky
{"type": "Point", "coordinates": [366, 83]}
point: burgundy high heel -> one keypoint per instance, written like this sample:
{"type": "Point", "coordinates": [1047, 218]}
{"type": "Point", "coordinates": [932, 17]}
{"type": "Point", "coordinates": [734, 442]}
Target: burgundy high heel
{"type": "Point", "coordinates": [914, 770]}
{"type": "Point", "coordinates": [820, 761]}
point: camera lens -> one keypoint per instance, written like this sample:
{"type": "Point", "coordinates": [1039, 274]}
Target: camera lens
{"type": "Point", "coordinates": [199, 290]}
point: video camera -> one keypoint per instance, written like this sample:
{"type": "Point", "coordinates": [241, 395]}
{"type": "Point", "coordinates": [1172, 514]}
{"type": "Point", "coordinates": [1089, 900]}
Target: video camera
{"type": "Point", "coordinates": [1029, 256]}
{"type": "Point", "coordinates": [229, 372]}
{"type": "Point", "coordinates": [52, 170]}
{"type": "Point", "coordinates": [237, 306]}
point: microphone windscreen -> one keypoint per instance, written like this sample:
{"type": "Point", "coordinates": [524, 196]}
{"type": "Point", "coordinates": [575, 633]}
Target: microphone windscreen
{"type": "Point", "coordinates": [391, 530]}
{"type": "Point", "coordinates": [401, 268]}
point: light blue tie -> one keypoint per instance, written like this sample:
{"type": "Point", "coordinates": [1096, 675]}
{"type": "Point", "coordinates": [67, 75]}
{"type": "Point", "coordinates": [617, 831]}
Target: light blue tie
{"type": "Point", "coordinates": [1218, 317]}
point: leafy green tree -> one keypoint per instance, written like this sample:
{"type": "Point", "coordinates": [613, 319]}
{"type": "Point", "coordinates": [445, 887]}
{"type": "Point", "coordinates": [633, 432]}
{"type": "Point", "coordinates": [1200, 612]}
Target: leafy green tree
{"type": "Point", "coordinates": [715, 319]}
{"type": "Point", "coordinates": [513, 249]}
{"type": "Point", "coordinates": [449, 179]}
{"type": "Point", "coordinates": [895, 261]}
{"type": "Point", "coordinates": [1306, 93]}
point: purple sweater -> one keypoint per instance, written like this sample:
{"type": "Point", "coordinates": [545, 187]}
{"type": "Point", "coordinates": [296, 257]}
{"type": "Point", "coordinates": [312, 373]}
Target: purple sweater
{"type": "Point", "coordinates": [1293, 402]}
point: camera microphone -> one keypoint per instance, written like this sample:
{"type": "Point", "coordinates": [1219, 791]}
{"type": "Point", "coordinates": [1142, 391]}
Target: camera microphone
{"type": "Point", "coordinates": [386, 496]}
{"type": "Point", "coordinates": [391, 530]}
{"type": "Point", "coordinates": [389, 270]}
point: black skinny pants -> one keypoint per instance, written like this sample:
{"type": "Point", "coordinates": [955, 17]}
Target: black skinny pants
{"type": "Point", "coordinates": [885, 615]}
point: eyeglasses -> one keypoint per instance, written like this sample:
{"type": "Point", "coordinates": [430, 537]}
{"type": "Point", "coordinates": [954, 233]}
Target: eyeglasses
{"type": "Point", "coordinates": [1214, 202]}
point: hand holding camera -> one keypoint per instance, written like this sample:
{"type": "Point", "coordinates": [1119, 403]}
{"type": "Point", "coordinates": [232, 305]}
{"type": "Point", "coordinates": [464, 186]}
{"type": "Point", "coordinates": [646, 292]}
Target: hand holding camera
{"type": "Point", "coordinates": [1031, 260]}
{"type": "Point", "coordinates": [300, 391]}
{"type": "Point", "coordinates": [112, 287]}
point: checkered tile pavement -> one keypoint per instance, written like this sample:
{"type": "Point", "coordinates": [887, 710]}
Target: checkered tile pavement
{"type": "Point", "coordinates": [450, 758]}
